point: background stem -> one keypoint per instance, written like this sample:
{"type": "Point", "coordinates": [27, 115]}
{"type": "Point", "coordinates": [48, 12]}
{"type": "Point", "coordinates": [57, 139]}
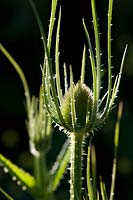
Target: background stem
{"type": "Point", "coordinates": [42, 176]}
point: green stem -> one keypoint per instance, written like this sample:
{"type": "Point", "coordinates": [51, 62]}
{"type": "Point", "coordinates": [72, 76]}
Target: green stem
{"type": "Point", "coordinates": [41, 175]}
{"type": "Point", "coordinates": [76, 168]}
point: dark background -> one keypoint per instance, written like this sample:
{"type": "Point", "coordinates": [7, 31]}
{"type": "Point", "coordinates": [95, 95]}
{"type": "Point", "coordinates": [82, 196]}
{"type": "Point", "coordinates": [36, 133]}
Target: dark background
{"type": "Point", "coordinates": [20, 35]}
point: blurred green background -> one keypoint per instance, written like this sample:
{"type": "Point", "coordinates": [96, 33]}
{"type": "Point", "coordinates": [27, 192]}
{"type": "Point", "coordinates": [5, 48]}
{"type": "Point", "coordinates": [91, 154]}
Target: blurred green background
{"type": "Point", "coordinates": [19, 34]}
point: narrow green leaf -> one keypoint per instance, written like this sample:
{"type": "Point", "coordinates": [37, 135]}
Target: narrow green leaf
{"type": "Point", "coordinates": [115, 88]}
{"type": "Point", "coordinates": [113, 96]}
{"type": "Point", "coordinates": [52, 21]}
{"type": "Point", "coordinates": [103, 190]}
{"type": "Point", "coordinates": [98, 198]}
{"type": "Point", "coordinates": [73, 110]}
{"type": "Point", "coordinates": [60, 165]}
{"type": "Point", "coordinates": [97, 45]}
{"type": "Point", "coordinates": [116, 141]}
{"type": "Point", "coordinates": [110, 7]}
{"type": "Point", "coordinates": [83, 66]}
{"type": "Point", "coordinates": [25, 178]}
{"type": "Point", "coordinates": [40, 25]}
{"type": "Point", "coordinates": [94, 74]}
{"type": "Point", "coordinates": [102, 99]}
{"type": "Point", "coordinates": [20, 73]}
{"type": "Point", "coordinates": [93, 164]}
{"type": "Point", "coordinates": [5, 194]}
{"type": "Point", "coordinates": [118, 78]}
{"type": "Point", "coordinates": [109, 48]}
{"type": "Point", "coordinates": [89, 41]}
{"type": "Point", "coordinates": [57, 60]}
{"type": "Point", "coordinates": [65, 78]}
{"type": "Point", "coordinates": [89, 179]}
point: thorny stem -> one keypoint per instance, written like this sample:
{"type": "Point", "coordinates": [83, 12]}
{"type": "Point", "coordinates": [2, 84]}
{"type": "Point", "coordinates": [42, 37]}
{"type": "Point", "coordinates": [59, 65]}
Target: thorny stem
{"type": "Point", "coordinates": [76, 168]}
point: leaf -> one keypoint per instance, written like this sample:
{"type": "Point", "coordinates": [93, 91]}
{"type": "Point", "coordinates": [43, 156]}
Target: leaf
{"type": "Point", "coordinates": [58, 81]}
{"type": "Point", "coordinates": [97, 46]}
{"type": "Point", "coordinates": [20, 73]}
{"type": "Point", "coordinates": [94, 74]}
{"type": "Point", "coordinates": [25, 178]}
{"type": "Point", "coordinates": [93, 163]}
{"type": "Point", "coordinates": [60, 165]}
{"type": "Point", "coordinates": [47, 61]}
{"type": "Point", "coordinates": [82, 76]}
{"type": "Point", "coordinates": [52, 21]}
{"type": "Point", "coordinates": [116, 142]}
{"type": "Point", "coordinates": [5, 194]}
{"type": "Point", "coordinates": [103, 190]}
{"type": "Point", "coordinates": [88, 173]}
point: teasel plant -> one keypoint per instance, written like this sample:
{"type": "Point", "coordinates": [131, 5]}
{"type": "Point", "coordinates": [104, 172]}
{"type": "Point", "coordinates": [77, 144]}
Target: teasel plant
{"type": "Point", "coordinates": [75, 108]}
{"type": "Point", "coordinates": [79, 111]}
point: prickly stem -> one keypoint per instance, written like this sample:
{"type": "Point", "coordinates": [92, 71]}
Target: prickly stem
{"type": "Point", "coordinates": [75, 169]}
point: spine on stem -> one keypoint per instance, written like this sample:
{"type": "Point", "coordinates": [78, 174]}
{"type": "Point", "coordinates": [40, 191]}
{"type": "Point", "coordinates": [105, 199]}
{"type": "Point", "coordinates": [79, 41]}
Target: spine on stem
{"type": "Point", "coordinates": [76, 166]}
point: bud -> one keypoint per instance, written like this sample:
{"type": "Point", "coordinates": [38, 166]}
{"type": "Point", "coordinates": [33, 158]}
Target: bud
{"type": "Point", "coordinates": [83, 101]}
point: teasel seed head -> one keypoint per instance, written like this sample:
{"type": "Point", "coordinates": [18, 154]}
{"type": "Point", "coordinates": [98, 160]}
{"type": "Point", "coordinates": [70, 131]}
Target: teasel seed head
{"type": "Point", "coordinates": [82, 98]}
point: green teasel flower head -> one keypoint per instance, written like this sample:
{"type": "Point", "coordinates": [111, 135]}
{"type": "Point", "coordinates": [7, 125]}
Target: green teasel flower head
{"type": "Point", "coordinates": [81, 97]}
{"type": "Point", "coordinates": [79, 108]}
{"type": "Point", "coordinates": [38, 126]}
